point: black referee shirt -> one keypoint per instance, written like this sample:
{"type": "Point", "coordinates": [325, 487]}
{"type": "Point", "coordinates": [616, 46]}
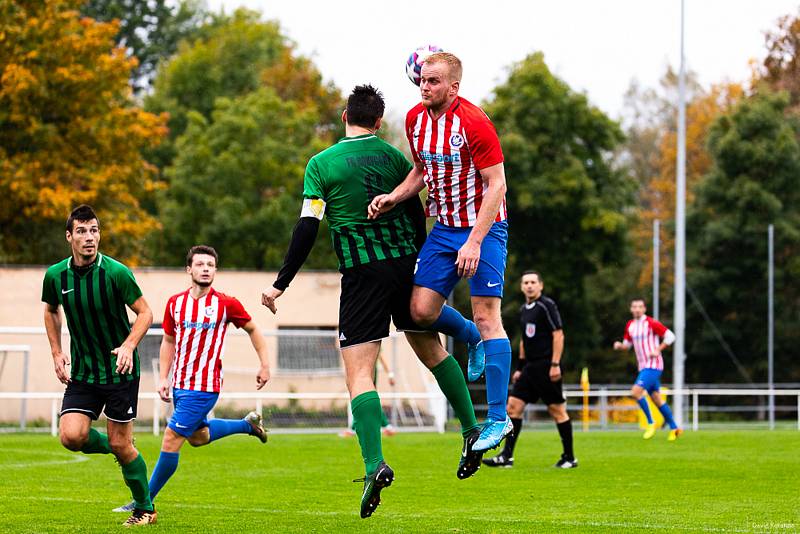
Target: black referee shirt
{"type": "Point", "coordinates": [539, 319]}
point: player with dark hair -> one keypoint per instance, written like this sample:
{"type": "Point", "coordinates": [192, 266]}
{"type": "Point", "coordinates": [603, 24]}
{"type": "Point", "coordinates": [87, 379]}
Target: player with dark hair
{"type": "Point", "coordinates": [94, 289]}
{"type": "Point", "coordinates": [649, 338]}
{"type": "Point", "coordinates": [376, 259]}
{"type": "Point", "coordinates": [195, 324]}
{"type": "Point", "coordinates": [538, 374]}
{"type": "Point", "coordinates": [457, 155]}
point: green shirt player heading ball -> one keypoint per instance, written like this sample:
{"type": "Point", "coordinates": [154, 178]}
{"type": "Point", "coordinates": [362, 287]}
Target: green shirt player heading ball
{"type": "Point", "coordinates": [93, 290]}
{"type": "Point", "coordinates": [376, 258]}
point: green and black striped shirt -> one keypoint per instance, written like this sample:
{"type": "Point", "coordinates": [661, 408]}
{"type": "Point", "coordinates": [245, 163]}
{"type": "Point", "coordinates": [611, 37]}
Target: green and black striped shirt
{"type": "Point", "coordinates": [346, 177]}
{"type": "Point", "coordinates": [94, 303]}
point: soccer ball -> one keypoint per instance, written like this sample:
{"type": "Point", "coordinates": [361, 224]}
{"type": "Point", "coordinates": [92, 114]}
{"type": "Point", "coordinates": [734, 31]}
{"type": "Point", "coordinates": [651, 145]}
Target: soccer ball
{"type": "Point", "coordinates": [416, 59]}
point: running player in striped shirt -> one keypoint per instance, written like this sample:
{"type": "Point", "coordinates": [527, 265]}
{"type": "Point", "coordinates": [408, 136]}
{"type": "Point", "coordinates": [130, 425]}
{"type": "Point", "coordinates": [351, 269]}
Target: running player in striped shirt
{"type": "Point", "coordinates": [648, 338]}
{"type": "Point", "coordinates": [94, 290]}
{"type": "Point", "coordinates": [457, 155]}
{"type": "Point", "coordinates": [376, 259]}
{"type": "Point", "coordinates": [195, 324]}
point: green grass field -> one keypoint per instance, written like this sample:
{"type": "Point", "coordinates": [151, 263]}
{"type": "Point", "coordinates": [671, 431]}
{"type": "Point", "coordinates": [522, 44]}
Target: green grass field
{"type": "Point", "coordinates": [709, 481]}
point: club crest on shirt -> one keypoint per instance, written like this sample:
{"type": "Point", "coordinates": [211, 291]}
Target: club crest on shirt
{"type": "Point", "coordinates": [211, 311]}
{"type": "Point", "coordinates": [456, 140]}
{"type": "Point", "coordinates": [530, 329]}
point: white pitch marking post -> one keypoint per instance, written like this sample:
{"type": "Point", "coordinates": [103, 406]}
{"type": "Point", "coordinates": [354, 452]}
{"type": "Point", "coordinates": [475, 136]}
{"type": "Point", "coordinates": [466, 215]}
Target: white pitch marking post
{"type": "Point", "coordinates": [771, 322]}
{"type": "Point", "coordinates": [53, 417]}
{"type": "Point", "coordinates": [679, 314]}
{"type": "Point", "coordinates": [156, 416]}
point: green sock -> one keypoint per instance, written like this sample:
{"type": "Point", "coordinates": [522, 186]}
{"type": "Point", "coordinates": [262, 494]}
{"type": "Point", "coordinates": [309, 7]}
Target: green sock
{"type": "Point", "coordinates": [451, 381]}
{"type": "Point", "coordinates": [367, 422]}
{"type": "Point", "coordinates": [135, 475]}
{"type": "Point", "coordinates": [384, 420]}
{"type": "Point", "coordinates": [97, 443]}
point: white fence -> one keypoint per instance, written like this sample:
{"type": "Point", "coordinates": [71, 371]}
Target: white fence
{"type": "Point", "coordinates": [437, 403]}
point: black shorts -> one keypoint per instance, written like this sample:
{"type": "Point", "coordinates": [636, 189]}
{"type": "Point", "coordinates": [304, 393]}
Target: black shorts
{"type": "Point", "coordinates": [372, 294]}
{"type": "Point", "coordinates": [535, 384]}
{"type": "Point", "coordinates": [119, 401]}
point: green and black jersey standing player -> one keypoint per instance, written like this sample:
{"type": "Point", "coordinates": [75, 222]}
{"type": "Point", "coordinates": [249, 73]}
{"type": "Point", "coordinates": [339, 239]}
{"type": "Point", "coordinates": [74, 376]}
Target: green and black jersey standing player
{"type": "Point", "coordinates": [376, 259]}
{"type": "Point", "coordinates": [94, 289]}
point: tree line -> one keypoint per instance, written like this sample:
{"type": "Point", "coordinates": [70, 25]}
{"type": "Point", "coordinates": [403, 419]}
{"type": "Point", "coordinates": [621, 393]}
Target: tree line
{"type": "Point", "coordinates": [182, 125]}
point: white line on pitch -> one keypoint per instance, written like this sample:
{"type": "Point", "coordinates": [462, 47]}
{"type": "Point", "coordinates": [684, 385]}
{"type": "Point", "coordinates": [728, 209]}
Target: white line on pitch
{"type": "Point", "coordinates": [395, 515]}
{"type": "Point", "coordinates": [73, 459]}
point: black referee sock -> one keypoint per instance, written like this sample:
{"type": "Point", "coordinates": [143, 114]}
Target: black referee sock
{"type": "Point", "coordinates": [565, 431]}
{"type": "Point", "coordinates": [511, 439]}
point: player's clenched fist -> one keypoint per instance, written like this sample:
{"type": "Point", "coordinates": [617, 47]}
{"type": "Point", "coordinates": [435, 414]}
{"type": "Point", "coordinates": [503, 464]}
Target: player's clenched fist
{"type": "Point", "coordinates": [268, 298]}
{"type": "Point", "coordinates": [380, 204]}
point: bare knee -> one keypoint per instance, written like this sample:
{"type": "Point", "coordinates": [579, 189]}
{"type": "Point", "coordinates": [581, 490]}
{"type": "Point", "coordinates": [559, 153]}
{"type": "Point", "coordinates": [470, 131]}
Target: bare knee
{"type": "Point", "coordinates": [122, 448]}
{"type": "Point", "coordinates": [74, 440]}
{"type": "Point", "coordinates": [198, 439]}
{"type": "Point", "coordinates": [515, 407]}
{"type": "Point", "coordinates": [558, 412]}
{"type": "Point", "coordinates": [637, 392]}
{"type": "Point", "coordinates": [488, 322]}
{"type": "Point", "coordinates": [422, 314]}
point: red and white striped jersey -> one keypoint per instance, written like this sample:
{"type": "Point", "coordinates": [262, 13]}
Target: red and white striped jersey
{"type": "Point", "coordinates": [646, 334]}
{"type": "Point", "coordinates": [453, 149]}
{"type": "Point", "coordinates": [199, 327]}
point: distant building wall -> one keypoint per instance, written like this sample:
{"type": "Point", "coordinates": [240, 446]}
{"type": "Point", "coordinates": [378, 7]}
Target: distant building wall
{"type": "Point", "coordinates": [311, 302]}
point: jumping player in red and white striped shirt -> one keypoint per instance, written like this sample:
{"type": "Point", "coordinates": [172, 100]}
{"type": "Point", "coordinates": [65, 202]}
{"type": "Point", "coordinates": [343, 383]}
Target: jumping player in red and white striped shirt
{"type": "Point", "coordinates": [649, 338]}
{"type": "Point", "coordinates": [195, 324]}
{"type": "Point", "coordinates": [457, 155]}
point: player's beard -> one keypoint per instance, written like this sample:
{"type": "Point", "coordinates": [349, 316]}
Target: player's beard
{"type": "Point", "coordinates": [203, 283]}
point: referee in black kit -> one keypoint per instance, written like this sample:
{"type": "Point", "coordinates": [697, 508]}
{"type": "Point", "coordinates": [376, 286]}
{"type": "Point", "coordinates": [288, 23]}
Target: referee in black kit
{"type": "Point", "coordinates": [538, 374]}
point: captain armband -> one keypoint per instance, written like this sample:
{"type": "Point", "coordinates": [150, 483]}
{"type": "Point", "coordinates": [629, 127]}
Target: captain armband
{"type": "Point", "coordinates": [313, 207]}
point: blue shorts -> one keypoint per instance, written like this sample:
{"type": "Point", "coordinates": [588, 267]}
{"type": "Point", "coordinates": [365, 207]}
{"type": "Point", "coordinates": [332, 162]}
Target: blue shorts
{"type": "Point", "coordinates": [649, 380]}
{"type": "Point", "coordinates": [436, 264]}
{"type": "Point", "coordinates": [191, 410]}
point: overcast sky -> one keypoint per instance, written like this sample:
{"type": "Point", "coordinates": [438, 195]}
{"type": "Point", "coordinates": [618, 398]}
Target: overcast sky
{"type": "Point", "coordinates": [596, 46]}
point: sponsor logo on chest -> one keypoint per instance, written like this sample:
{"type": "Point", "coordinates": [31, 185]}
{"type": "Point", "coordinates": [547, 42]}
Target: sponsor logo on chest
{"type": "Point", "coordinates": [208, 312]}
{"type": "Point", "coordinates": [426, 155]}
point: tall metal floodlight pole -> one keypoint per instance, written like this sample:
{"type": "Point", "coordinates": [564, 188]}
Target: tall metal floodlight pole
{"type": "Point", "coordinates": [770, 321]}
{"type": "Point", "coordinates": [679, 314]}
{"type": "Point", "coordinates": [656, 266]}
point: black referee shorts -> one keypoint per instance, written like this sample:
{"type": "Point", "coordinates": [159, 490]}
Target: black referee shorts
{"type": "Point", "coordinates": [119, 401]}
{"type": "Point", "coordinates": [372, 295]}
{"type": "Point", "coordinates": [535, 384]}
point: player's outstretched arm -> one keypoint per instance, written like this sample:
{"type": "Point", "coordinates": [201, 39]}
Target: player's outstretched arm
{"type": "Point", "coordinates": [303, 237]}
{"type": "Point", "coordinates": [469, 254]}
{"type": "Point", "coordinates": [261, 350]}
{"type": "Point", "coordinates": [412, 185]}
{"type": "Point", "coordinates": [166, 355]}
{"type": "Point", "coordinates": [52, 325]}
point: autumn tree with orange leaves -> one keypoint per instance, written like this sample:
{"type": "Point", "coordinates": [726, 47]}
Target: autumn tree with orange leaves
{"type": "Point", "coordinates": [69, 133]}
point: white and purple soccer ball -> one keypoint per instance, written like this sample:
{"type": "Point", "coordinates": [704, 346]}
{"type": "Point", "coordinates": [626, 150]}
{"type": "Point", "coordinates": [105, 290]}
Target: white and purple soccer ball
{"type": "Point", "coordinates": [416, 59]}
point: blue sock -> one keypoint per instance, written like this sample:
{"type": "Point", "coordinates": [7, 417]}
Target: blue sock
{"type": "Point", "coordinates": [667, 413]}
{"type": "Point", "coordinates": [498, 371]}
{"type": "Point", "coordinates": [453, 324]}
{"type": "Point", "coordinates": [165, 468]}
{"type": "Point", "coordinates": [219, 428]}
{"type": "Point", "coordinates": [646, 409]}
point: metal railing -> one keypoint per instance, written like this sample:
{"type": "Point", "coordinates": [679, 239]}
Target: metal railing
{"type": "Point", "coordinates": [438, 402]}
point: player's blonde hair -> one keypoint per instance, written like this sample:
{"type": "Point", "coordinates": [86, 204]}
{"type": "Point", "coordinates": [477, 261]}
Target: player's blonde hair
{"type": "Point", "coordinates": [453, 64]}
